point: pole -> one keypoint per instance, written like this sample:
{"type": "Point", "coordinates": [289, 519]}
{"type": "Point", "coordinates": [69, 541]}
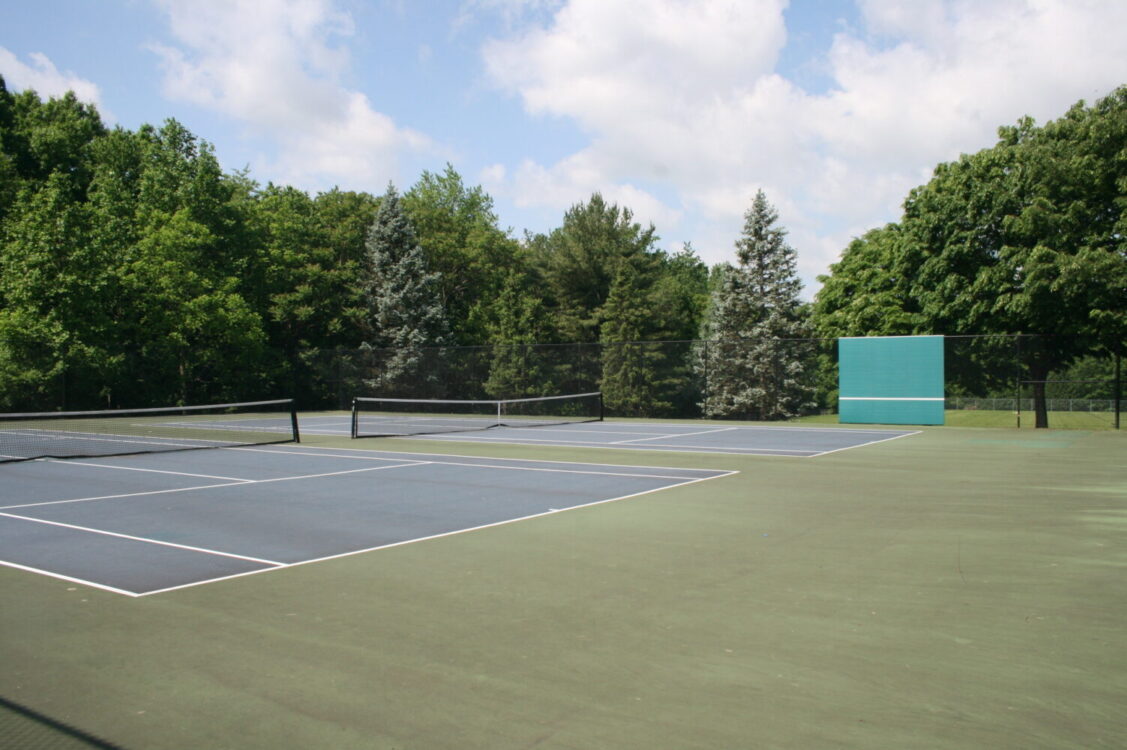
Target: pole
{"type": "Point", "coordinates": [1017, 384]}
{"type": "Point", "coordinates": [1118, 387]}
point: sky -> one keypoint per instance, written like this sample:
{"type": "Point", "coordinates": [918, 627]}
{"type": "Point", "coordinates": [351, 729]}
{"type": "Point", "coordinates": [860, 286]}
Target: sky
{"type": "Point", "coordinates": [679, 110]}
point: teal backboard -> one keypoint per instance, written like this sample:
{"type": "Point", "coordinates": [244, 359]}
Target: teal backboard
{"type": "Point", "coordinates": [890, 380]}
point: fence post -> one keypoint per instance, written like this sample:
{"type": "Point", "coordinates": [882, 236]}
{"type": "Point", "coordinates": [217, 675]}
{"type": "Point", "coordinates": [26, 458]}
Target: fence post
{"type": "Point", "coordinates": [1017, 378]}
{"type": "Point", "coordinates": [1118, 388]}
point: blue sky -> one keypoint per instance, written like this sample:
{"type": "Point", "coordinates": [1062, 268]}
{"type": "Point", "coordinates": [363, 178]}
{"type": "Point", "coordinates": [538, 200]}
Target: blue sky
{"type": "Point", "coordinates": [677, 109]}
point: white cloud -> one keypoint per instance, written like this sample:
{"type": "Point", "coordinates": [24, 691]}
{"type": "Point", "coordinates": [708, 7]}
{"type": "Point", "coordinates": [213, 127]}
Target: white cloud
{"type": "Point", "coordinates": [275, 66]}
{"type": "Point", "coordinates": [601, 62]}
{"type": "Point", "coordinates": [48, 81]}
{"type": "Point", "coordinates": [685, 97]}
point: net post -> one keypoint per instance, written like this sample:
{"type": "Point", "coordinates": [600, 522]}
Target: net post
{"type": "Point", "coordinates": [602, 411]}
{"type": "Point", "coordinates": [293, 421]}
{"type": "Point", "coordinates": [354, 427]}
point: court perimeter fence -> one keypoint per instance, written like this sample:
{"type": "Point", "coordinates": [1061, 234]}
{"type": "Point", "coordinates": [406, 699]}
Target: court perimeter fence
{"type": "Point", "coordinates": [990, 380]}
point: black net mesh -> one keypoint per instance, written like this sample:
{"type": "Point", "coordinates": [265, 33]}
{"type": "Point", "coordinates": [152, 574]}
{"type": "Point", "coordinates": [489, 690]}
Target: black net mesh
{"type": "Point", "coordinates": [126, 431]}
{"type": "Point", "coordinates": [385, 417]}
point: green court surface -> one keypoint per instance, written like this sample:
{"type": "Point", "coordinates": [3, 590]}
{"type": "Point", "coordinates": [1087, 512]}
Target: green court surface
{"type": "Point", "coordinates": [960, 588]}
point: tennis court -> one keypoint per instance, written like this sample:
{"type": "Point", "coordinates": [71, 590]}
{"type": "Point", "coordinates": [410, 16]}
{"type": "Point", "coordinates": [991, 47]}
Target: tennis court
{"type": "Point", "coordinates": [152, 523]}
{"type": "Point", "coordinates": [941, 588]}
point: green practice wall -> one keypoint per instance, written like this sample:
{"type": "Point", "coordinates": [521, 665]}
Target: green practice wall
{"type": "Point", "coordinates": [890, 380]}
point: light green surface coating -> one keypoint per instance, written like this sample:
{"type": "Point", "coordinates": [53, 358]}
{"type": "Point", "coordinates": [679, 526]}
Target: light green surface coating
{"type": "Point", "coordinates": [959, 588]}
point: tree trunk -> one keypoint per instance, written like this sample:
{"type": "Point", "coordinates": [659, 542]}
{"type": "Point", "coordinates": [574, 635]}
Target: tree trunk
{"type": "Point", "coordinates": [1040, 407]}
{"type": "Point", "coordinates": [1038, 373]}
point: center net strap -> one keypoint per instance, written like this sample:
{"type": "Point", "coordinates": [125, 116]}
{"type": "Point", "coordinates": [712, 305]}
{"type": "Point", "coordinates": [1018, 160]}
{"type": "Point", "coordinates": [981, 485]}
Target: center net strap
{"type": "Point", "coordinates": [388, 417]}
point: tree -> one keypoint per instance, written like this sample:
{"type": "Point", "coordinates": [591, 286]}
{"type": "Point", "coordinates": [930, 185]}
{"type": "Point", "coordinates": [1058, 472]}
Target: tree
{"type": "Point", "coordinates": [184, 319]}
{"type": "Point", "coordinates": [580, 260]}
{"type": "Point", "coordinates": [56, 293]}
{"type": "Point", "coordinates": [867, 292]}
{"type": "Point", "coordinates": [1025, 237]}
{"type": "Point", "coordinates": [632, 382]}
{"type": "Point", "coordinates": [457, 230]}
{"type": "Point", "coordinates": [518, 323]}
{"type": "Point", "coordinates": [756, 364]}
{"type": "Point", "coordinates": [403, 297]}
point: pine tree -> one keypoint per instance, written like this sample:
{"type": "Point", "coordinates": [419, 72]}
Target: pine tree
{"type": "Point", "coordinates": [405, 310]}
{"type": "Point", "coordinates": [756, 363]}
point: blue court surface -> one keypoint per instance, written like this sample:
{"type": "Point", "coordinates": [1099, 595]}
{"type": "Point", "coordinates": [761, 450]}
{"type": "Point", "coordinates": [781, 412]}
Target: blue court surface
{"type": "Point", "coordinates": [697, 437]}
{"type": "Point", "coordinates": [151, 523]}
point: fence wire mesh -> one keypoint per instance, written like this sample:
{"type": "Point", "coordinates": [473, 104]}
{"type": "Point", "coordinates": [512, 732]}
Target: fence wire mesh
{"type": "Point", "coordinates": [990, 380]}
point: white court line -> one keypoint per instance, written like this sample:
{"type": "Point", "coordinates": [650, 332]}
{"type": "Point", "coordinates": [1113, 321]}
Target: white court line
{"type": "Point", "coordinates": [566, 471]}
{"type": "Point", "coordinates": [440, 459]}
{"type": "Point", "coordinates": [153, 471]}
{"type": "Point", "coordinates": [125, 494]}
{"type": "Point", "coordinates": [438, 536]}
{"type": "Point", "coordinates": [232, 426]}
{"type": "Point", "coordinates": [871, 442]}
{"type": "Point", "coordinates": [596, 427]}
{"type": "Point", "coordinates": [514, 440]}
{"type": "Point", "coordinates": [96, 437]}
{"type": "Point", "coordinates": [146, 540]}
{"type": "Point", "coordinates": [70, 579]}
{"type": "Point", "coordinates": [209, 486]}
{"type": "Point", "coordinates": [673, 435]}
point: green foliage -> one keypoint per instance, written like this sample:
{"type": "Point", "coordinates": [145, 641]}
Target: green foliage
{"type": "Point", "coordinates": [631, 383]}
{"type": "Point", "coordinates": [681, 293]}
{"type": "Point", "coordinates": [579, 262]}
{"type": "Point", "coordinates": [32, 360]}
{"type": "Point", "coordinates": [405, 311]}
{"type": "Point", "coordinates": [1023, 237]}
{"type": "Point", "coordinates": [458, 232]}
{"type": "Point", "coordinates": [867, 291]}
{"type": "Point", "coordinates": [757, 366]}
{"type": "Point", "coordinates": [518, 322]}
{"type": "Point", "coordinates": [134, 271]}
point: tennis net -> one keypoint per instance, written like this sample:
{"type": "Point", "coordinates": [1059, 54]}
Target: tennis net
{"type": "Point", "coordinates": [119, 432]}
{"type": "Point", "coordinates": [388, 417]}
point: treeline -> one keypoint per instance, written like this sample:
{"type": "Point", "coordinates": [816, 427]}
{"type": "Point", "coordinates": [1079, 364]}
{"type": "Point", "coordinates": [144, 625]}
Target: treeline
{"type": "Point", "coordinates": [134, 271]}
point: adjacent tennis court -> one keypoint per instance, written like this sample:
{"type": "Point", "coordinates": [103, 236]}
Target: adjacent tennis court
{"type": "Point", "coordinates": [521, 422]}
{"type": "Point", "coordinates": [577, 422]}
{"type": "Point", "coordinates": [699, 437]}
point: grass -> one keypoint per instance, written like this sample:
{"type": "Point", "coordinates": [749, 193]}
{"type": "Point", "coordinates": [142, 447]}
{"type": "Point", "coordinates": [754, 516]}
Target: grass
{"type": "Point", "coordinates": [1060, 420]}
{"type": "Point", "coordinates": [958, 588]}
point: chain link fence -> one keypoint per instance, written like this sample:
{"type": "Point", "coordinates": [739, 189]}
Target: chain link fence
{"type": "Point", "coordinates": [990, 380]}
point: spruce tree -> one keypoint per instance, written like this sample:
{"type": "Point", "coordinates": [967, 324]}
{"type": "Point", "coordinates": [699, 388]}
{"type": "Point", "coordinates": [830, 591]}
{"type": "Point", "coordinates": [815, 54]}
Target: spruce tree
{"type": "Point", "coordinates": [755, 365]}
{"type": "Point", "coordinates": [405, 310]}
